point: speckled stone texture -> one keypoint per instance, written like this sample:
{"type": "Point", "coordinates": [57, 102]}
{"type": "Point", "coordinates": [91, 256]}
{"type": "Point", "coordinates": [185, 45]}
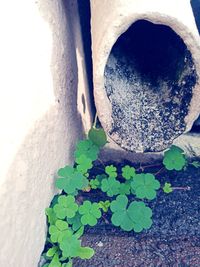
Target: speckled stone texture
{"type": "Point", "coordinates": [149, 78]}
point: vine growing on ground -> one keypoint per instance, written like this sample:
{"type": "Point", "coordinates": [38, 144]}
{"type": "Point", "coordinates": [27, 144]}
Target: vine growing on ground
{"type": "Point", "coordinates": [69, 214]}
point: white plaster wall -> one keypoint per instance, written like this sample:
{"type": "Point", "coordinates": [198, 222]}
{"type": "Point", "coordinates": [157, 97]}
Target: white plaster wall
{"type": "Point", "coordinates": [38, 117]}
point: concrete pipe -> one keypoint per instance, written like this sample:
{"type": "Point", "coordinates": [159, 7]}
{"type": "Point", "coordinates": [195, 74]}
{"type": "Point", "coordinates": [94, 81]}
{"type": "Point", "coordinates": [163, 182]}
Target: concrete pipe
{"type": "Point", "coordinates": [146, 68]}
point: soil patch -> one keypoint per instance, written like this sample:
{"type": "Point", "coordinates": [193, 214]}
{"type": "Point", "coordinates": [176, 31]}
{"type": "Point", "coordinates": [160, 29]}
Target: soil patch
{"type": "Point", "coordinates": [173, 240]}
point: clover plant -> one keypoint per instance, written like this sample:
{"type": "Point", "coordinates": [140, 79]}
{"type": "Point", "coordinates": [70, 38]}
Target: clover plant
{"type": "Point", "coordinates": [167, 188]}
{"type": "Point", "coordinates": [145, 185]}
{"type": "Point", "coordinates": [124, 189]}
{"type": "Point", "coordinates": [66, 207]}
{"type": "Point", "coordinates": [90, 212]}
{"type": "Point", "coordinates": [135, 217]}
{"type": "Point", "coordinates": [111, 186]}
{"type": "Point", "coordinates": [174, 159]}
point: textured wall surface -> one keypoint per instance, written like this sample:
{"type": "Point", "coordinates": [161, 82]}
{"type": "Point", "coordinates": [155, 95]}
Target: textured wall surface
{"type": "Point", "coordinates": [110, 20]}
{"type": "Point", "coordinates": [38, 115]}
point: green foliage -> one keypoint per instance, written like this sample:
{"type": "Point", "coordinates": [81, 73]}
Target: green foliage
{"type": "Point", "coordinates": [110, 186]}
{"type": "Point", "coordinates": [134, 217]}
{"type": "Point", "coordinates": [128, 172]}
{"type": "Point", "coordinates": [174, 159]}
{"type": "Point", "coordinates": [100, 177]}
{"type": "Point", "coordinates": [51, 252]}
{"type": "Point", "coordinates": [145, 185]}
{"type": "Point", "coordinates": [70, 245]}
{"type": "Point", "coordinates": [94, 183]}
{"type": "Point", "coordinates": [69, 264]}
{"type": "Point", "coordinates": [97, 136]}
{"type": "Point", "coordinates": [68, 213]}
{"type": "Point", "coordinates": [50, 215]}
{"type": "Point", "coordinates": [90, 212]}
{"type": "Point", "coordinates": [75, 222]}
{"type": "Point", "coordinates": [80, 232]}
{"type": "Point", "coordinates": [66, 207]}
{"type": "Point", "coordinates": [167, 188]}
{"type": "Point", "coordinates": [111, 171]}
{"type": "Point", "coordinates": [195, 164]}
{"type": "Point", "coordinates": [85, 253]}
{"type": "Point", "coordinates": [71, 180]}
{"type": "Point", "coordinates": [87, 148]}
{"type": "Point", "coordinates": [125, 188]}
{"type": "Point", "coordinates": [55, 261]}
{"type": "Point", "coordinates": [58, 231]}
{"type": "Point", "coordinates": [84, 163]}
{"type": "Point", "coordinates": [104, 205]}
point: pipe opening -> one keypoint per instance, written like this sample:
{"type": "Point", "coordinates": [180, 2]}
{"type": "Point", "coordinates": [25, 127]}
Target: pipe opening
{"type": "Point", "coordinates": [149, 78]}
{"type": "Point", "coordinates": [196, 126]}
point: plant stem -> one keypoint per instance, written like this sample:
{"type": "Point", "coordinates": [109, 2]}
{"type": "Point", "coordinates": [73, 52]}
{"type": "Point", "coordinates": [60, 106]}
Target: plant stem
{"type": "Point", "coordinates": [101, 162]}
{"type": "Point", "coordinates": [162, 169]}
{"type": "Point", "coordinates": [181, 188]}
{"type": "Point", "coordinates": [95, 121]}
{"type": "Point", "coordinates": [105, 220]}
{"type": "Point", "coordinates": [148, 166]}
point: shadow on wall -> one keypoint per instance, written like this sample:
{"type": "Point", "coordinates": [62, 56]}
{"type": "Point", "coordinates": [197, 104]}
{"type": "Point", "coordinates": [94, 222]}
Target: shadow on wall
{"type": "Point", "coordinates": [29, 188]}
{"type": "Point", "coordinates": [196, 10]}
{"type": "Point", "coordinates": [85, 15]}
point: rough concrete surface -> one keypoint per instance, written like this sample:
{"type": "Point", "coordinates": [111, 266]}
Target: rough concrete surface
{"type": "Point", "coordinates": [149, 79]}
{"type": "Point", "coordinates": [105, 33]}
{"type": "Point", "coordinates": [39, 119]}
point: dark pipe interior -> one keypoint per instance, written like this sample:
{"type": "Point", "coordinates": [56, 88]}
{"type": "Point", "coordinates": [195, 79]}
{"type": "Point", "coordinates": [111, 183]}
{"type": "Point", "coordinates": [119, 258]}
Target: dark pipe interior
{"type": "Point", "coordinates": [149, 77]}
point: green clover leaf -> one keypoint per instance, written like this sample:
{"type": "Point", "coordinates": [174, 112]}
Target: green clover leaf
{"type": "Point", "coordinates": [94, 183]}
{"type": "Point", "coordinates": [90, 213]}
{"type": "Point", "coordinates": [51, 252]}
{"type": "Point", "coordinates": [174, 159]}
{"type": "Point", "coordinates": [145, 185]}
{"type": "Point", "coordinates": [71, 180]}
{"type": "Point", "coordinates": [100, 177]}
{"type": "Point", "coordinates": [55, 261]}
{"type": "Point", "coordinates": [125, 188]}
{"type": "Point", "coordinates": [58, 231]}
{"type": "Point", "coordinates": [136, 217]}
{"type": "Point", "coordinates": [66, 207]}
{"type": "Point", "coordinates": [70, 245]}
{"type": "Point", "coordinates": [111, 171]}
{"type": "Point", "coordinates": [69, 264]}
{"type": "Point", "coordinates": [87, 148]}
{"type": "Point", "coordinates": [50, 215]}
{"type": "Point", "coordinates": [128, 172]}
{"type": "Point", "coordinates": [85, 253]}
{"type": "Point", "coordinates": [167, 188]}
{"type": "Point", "coordinates": [111, 186]}
{"type": "Point", "coordinates": [75, 222]}
{"type": "Point", "coordinates": [84, 164]}
{"type": "Point", "coordinates": [104, 205]}
{"type": "Point", "coordinates": [97, 136]}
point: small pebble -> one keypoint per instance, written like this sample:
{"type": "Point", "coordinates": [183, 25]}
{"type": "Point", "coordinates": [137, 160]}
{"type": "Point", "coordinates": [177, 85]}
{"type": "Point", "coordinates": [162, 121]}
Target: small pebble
{"type": "Point", "coordinates": [100, 244]}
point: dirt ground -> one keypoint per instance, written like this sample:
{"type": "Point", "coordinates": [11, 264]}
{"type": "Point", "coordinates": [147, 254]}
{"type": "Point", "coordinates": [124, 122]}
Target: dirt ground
{"type": "Point", "coordinates": [173, 240]}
